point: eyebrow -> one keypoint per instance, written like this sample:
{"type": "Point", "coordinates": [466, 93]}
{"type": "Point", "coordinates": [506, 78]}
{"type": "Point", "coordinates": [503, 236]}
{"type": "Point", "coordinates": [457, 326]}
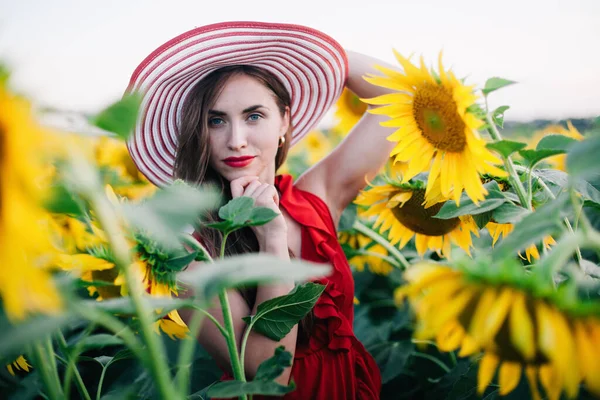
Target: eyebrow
{"type": "Point", "coordinates": [246, 110]}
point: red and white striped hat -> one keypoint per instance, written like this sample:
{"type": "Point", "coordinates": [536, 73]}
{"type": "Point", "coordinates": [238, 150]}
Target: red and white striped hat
{"type": "Point", "coordinates": [311, 65]}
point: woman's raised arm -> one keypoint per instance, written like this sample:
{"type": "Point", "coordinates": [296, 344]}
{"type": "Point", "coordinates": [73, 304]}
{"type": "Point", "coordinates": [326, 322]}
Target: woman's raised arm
{"type": "Point", "coordinates": [341, 175]}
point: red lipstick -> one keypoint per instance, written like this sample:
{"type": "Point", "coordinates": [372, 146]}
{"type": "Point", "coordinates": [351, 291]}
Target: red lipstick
{"type": "Point", "coordinates": [238, 162]}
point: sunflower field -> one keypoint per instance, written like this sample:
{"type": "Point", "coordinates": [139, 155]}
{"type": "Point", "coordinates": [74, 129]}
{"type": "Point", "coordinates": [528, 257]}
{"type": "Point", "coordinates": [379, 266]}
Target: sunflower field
{"type": "Point", "coordinates": [475, 255]}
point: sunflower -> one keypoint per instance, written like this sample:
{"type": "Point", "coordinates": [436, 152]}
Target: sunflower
{"type": "Point", "coordinates": [557, 161]}
{"type": "Point", "coordinates": [366, 252]}
{"type": "Point", "coordinates": [349, 109]}
{"type": "Point", "coordinates": [400, 210]}
{"type": "Point", "coordinates": [154, 267]}
{"type": "Point", "coordinates": [20, 364]}
{"type": "Point", "coordinates": [25, 284]}
{"type": "Point", "coordinates": [436, 132]}
{"type": "Point", "coordinates": [112, 154]}
{"type": "Point", "coordinates": [73, 235]}
{"type": "Point", "coordinates": [496, 230]}
{"type": "Point", "coordinates": [507, 317]}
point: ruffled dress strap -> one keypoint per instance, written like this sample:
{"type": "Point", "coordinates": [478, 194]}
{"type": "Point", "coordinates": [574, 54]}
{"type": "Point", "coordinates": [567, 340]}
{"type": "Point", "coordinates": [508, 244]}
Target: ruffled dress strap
{"type": "Point", "coordinates": [334, 309]}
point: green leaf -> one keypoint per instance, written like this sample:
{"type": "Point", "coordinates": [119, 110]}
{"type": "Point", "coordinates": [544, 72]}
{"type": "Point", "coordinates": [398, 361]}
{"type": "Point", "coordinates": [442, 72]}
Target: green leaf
{"type": "Point", "coordinates": [240, 212]}
{"type": "Point", "coordinates": [61, 201]}
{"type": "Point", "coordinates": [506, 147]}
{"type": "Point", "coordinates": [494, 199]}
{"type": "Point", "coordinates": [229, 389]}
{"type": "Point", "coordinates": [164, 216]}
{"type": "Point", "coordinates": [15, 336]}
{"type": "Point", "coordinates": [391, 357]}
{"type": "Point", "coordinates": [559, 178]}
{"type": "Point", "coordinates": [246, 269]}
{"type": "Point", "coordinates": [532, 157]}
{"type": "Point", "coordinates": [103, 360]}
{"type": "Point", "coordinates": [276, 317]}
{"type": "Point", "coordinates": [532, 228]}
{"type": "Point", "coordinates": [498, 115]}
{"type": "Point", "coordinates": [260, 216]}
{"type": "Point", "coordinates": [509, 213]}
{"type": "Point", "coordinates": [178, 263]}
{"type": "Point", "coordinates": [582, 158]}
{"type": "Point", "coordinates": [124, 306]}
{"type": "Point", "coordinates": [271, 368]}
{"type": "Point", "coordinates": [234, 207]}
{"type": "Point", "coordinates": [120, 117]}
{"type": "Point", "coordinates": [98, 341]}
{"type": "Point", "coordinates": [263, 382]}
{"type": "Point", "coordinates": [555, 142]}
{"type": "Point", "coordinates": [348, 218]}
{"type": "Point", "coordinates": [482, 219]}
{"type": "Point", "coordinates": [494, 84]}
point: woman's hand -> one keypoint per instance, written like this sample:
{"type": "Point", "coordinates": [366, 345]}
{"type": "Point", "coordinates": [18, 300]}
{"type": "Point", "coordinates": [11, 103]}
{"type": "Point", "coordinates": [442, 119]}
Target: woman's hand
{"type": "Point", "coordinates": [274, 233]}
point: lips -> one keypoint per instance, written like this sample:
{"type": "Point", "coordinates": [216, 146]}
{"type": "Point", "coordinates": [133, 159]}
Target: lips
{"type": "Point", "coordinates": [238, 162]}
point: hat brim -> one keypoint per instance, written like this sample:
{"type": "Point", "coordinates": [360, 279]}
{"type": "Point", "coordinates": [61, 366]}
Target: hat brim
{"type": "Point", "coordinates": [312, 66]}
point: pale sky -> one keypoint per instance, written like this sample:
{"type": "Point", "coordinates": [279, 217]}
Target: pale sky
{"type": "Point", "coordinates": [79, 55]}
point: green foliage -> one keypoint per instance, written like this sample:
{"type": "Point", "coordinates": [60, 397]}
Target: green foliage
{"type": "Point", "coordinates": [241, 212]}
{"type": "Point", "coordinates": [263, 381]}
{"type": "Point", "coordinates": [532, 157]}
{"type": "Point", "coordinates": [15, 337]}
{"type": "Point", "coordinates": [276, 317]}
{"type": "Point", "coordinates": [532, 228]}
{"type": "Point", "coordinates": [348, 217]}
{"type": "Point", "coordinates": [582, 159]}
{"type": "Point", "coordinates": [494, 84]}
{"type": "Point", "coordinates": [163, 216]}
{"type": "Point", "coordinates": [555, 142]}
{"type": "Point", "coordinates": [506, 147]}
{"type": "Point", "coordinates": [62, 201]}
{"type": "Point", "coordinates": [248, 269]}
{"type": "Point", "coordinates": [508, 213]}
{"type": "Point", "coordinates": [498, 116]}
{"type": "Point", "coordinates": [119, 117]}
{"type": "Point", "coordinates": [494, 199]}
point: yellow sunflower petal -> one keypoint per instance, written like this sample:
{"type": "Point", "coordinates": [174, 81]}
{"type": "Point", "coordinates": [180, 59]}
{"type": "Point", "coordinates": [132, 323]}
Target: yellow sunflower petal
{"type": "Point", "coordinates": [509, 377]}
{"type": "Point", "coordinates": [487, 369]}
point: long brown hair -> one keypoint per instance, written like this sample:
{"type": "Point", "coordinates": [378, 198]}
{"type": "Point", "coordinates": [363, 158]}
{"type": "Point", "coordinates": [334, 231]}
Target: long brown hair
{"type": "Point", "coordinates": [193, 154]}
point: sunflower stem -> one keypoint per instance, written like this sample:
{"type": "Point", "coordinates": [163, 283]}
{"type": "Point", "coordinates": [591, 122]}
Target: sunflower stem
{"type": "Point", "coordinates": [108, 218]}
{"type": "Point", "coordinates": [188, 347]}
{"type": "Point", "coordinates": [562, 252]}
{"type": "Point", "coordinates": [509, 165]}
{"type": "Point", "coordinates": [236, 366]}
{"type": "Point", "coordinates": [365, 230]}
{"type": "Point", "coordinates": [118, 328]}
{"type": "Point", "coordinates": [71, 369]}
{"type": "Point", "coordinates": [547, 190]}
{"type": "Point", "coordinates": [41, 361]}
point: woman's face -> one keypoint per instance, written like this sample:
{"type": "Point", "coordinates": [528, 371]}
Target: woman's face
{"type": "Point", "coordinates": [244, 127]}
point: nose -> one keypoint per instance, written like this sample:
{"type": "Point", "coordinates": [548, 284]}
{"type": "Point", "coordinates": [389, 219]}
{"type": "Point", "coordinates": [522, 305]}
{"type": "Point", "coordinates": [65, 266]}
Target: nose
{"type": "Point", "coordinates": [237, 137]}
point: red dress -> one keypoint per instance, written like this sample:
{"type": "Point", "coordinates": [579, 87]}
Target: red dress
{"type": "Point", "coordinates": [334, 365]}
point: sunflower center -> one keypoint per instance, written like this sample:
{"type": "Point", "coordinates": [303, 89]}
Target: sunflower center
{"type": "Point", "coordinates": [434, 110]}
{"type": "Point", "coordinates": [419, 219]}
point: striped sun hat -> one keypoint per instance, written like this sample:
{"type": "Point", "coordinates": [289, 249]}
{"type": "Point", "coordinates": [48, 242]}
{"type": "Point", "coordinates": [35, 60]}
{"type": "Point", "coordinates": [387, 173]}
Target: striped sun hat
{"type": "Point", "coordinates": [311, 65]}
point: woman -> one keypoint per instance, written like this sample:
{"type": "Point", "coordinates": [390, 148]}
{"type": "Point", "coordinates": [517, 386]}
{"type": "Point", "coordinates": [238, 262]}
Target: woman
{"type": "Point", "coordinates": [222, 104]}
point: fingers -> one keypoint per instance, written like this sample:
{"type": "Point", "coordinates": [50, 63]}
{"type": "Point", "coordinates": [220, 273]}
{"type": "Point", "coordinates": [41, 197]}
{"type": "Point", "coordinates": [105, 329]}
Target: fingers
{"type": "Point", "coordinates": [265, 194]}
{"type": "Point", "coordinates": [252, 187]}
{"type": "Point", "coordinates": [238, 185]}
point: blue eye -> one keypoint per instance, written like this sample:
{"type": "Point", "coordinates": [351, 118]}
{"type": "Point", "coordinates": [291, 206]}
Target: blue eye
{"type": "Point", "coordinates": [215, 121]}
{"type": "Point", "coordinates": [254, 117]}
